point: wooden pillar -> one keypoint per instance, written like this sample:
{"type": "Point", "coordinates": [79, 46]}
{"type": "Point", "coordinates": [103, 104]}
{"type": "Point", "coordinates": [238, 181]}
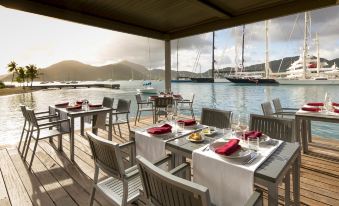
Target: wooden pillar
{"type": "Point", "coordinates": [168, 65]}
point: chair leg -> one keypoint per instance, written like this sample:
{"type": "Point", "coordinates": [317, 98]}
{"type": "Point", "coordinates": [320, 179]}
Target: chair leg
{"type": "Point", "coordinates": [114, 129]}
{"type": "Point", "coordinates": [119, 131]}
{"type": "Point", "coordinates": [129, 128]}
{"type": "Point", "coordinates": [136, 118]}
{"type": "Point", "coordinates": [22, 135]}
{"type": "Point", "coordinates": [33, 153]}
{"type": "Point", "coordinates": [25, 151]}
{"type": "Point", "coordinates": [192, 112]}
{"type": "Point", "coordinates": [139, 116]}
{"type": "Point", "coordinates": [26, 138]}
{"type": "Point", "coordinates": [60, 143]}
{"type": "Point", "coordinates": [96, 174]}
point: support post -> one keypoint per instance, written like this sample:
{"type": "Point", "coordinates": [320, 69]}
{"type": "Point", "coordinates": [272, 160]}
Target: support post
{"type": "Point", "coordinates": [167, 65]}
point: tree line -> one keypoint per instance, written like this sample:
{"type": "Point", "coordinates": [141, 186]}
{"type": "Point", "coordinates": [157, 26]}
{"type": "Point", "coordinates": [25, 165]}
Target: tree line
{"type": "Point", "coordinates": [23, 74]}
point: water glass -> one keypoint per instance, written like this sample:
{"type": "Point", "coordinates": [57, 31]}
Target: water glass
{"type": "Point", "coordinates": [170, 112]}
{"type": "Point", "coordinates": [253, 143]}
{"type": "Point", "coordinates": [181, 126]}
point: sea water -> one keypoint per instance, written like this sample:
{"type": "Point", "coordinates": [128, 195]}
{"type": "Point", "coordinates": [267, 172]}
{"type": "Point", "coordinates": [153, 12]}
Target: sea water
{"type": "Point", "coordinates": [240, 99]}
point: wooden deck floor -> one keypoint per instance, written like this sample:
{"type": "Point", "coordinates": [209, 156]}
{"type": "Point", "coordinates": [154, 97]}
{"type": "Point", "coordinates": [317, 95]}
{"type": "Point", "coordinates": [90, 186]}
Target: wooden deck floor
{"type": "Point", "coordinates": [54, 180]}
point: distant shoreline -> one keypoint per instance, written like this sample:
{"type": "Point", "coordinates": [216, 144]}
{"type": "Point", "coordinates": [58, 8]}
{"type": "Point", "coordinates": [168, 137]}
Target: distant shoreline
{"type": "Point", "coordinates": [16, 90]}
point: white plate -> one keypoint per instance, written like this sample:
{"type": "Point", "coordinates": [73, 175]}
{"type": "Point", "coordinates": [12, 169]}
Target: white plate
{"type": "Point", "coordinates": [196, 141]}
{"type": "Point", "coordinates": [242, 153]}
{"type": "Point", "coordinates": [192, 127]}
{"type": "Point", "coordinates": [264, 138]}
{"type": "Point", "coordinates": [211, 133]}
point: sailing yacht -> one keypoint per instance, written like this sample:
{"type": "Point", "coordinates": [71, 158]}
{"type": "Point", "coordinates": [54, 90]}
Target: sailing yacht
{"type": "Point", "coordinates": [309, 69]}
{"type": "Point", "coordinates": [179, 78]}
{"type": "Point", "coordinates": [253, 77]}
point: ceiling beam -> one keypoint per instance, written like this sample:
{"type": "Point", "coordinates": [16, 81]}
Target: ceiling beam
{"type": "Point", "coordinates": [82, 18]}
{"type": "Point", "coordinates": [214, 7]}
{"type": "Point", "coordinates": [290, 7]}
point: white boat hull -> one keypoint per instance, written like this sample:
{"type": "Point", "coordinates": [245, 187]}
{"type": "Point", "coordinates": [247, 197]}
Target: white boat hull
{"type": "Point", "coordinates": [221, 80]}
{"type": "Point", "coordinates": [147, 91]}
{"type": "Point", "coordinates": [307, 82]}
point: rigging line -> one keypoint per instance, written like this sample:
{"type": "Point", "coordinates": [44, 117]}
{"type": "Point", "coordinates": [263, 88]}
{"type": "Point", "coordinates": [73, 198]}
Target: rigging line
{"type": "Point", "coordinates": [149, 54]}
{"type": "Point", "coordinates": [289, 38]}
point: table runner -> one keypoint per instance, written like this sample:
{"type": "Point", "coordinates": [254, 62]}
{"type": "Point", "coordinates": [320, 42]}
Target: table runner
{"type": "Point", "coordinates": [229, 182]}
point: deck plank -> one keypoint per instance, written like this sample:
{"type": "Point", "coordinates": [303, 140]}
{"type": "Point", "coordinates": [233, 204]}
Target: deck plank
{"type": "Point", "coordinates": [4, 199]}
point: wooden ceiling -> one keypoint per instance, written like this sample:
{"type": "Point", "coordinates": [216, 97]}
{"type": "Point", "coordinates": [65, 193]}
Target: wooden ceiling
{"type": "Point", "coordinates": [165, 19]}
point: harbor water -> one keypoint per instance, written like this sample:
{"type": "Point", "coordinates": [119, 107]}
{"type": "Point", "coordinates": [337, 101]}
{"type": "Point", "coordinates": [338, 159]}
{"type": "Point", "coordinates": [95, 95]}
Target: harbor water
{"type": "Point", "coordinates": [240, 99]}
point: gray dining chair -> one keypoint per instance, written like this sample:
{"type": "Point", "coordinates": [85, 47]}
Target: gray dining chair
{"type": "Point", "coordinates": [274, 127]}
{"type": "Point", "coordinates": [186, 105]}
{"type": "Point", "coordinates": [121, 114]}
{"type": "Point", "coordinates": [216, 118]}
{"type": "Point", "coordinates": [160, 106]}
{"type": "Point", "coordinates": [45, 130]}
{"type": "Point", "coordinates": [122, 185]}
{"type": "Point", "coordinates": [108, 102]}
{"type": "Point", "coordinates": [287, 111]}
{"type": "Point", "coordinates": [164, 188]}
{"type": "Point", "coordinates": [143, 106]}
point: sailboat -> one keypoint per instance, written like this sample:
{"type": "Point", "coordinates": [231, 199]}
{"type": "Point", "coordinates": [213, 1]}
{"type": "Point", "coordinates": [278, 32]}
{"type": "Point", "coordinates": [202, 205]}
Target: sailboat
{"type": "Point", "coordinates": [309, 69]}
{"type": "Point", "coordinates": [253, 77]}
{"type": "Point", "coordinates": [179, 78]}
{"type": "Point", "coordinates": [207, 79]}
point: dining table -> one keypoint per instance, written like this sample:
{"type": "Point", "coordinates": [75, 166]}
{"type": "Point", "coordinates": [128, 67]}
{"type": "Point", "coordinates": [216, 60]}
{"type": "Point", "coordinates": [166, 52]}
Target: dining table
{"type": "Point", "coordinates": [304, 131]}
{"type": "Point", "coordinates": [82, 114]}
{"type": "Point", "coordinates": [273, 170]}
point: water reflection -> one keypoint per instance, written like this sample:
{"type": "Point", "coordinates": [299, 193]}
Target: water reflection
{"type": "Point", "coordinates": [239, 99]}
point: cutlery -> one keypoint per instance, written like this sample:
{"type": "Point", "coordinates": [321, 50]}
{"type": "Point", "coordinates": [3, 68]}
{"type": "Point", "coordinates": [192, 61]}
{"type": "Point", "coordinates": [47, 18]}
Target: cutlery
{"type": "Point", "coordinates": [252, 157]}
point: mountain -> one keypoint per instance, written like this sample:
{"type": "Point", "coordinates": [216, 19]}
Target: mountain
{"type": "Point", "coordinates": [125, 70]}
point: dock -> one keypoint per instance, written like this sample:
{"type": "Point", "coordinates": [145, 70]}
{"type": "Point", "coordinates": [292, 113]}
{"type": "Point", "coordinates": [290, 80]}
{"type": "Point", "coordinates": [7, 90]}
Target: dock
{"type": "Point", "coordinates": [55, 180]}
{"type": "Point", "coordinates": [79, 85]}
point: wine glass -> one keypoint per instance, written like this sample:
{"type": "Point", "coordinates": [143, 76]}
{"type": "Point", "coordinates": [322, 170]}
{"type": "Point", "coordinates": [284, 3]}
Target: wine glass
{"type": "Point", "coordinates": [170, 112]}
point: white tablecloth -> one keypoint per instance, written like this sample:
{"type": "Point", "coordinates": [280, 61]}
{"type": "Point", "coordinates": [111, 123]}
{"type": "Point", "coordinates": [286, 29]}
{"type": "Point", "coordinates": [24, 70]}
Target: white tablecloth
{"type": "Point", "coordinates": [229, 182]}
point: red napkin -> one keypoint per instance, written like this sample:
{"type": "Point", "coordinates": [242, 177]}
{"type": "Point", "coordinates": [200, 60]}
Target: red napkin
{"type": "Point", "coordinates": [336, 110]}
{"type": "Point", "coordinates": [252, 134]}
{"type": "Point", "coordinates": [177, 96]}
{"type": "Point", "coordinates": [80, 101]}
{"type": "Point", "coordinates": [335, 104]}
{"type": "Point", "coordinates": [311, 109]}
{"type": "Point", "coordinates": [188, 122]}
{"type": "Point", "coordinates": [95, 105]}
{"type": "Point", "coordinates": [316, 104]}
{"type": "Point", "coordinates": [76, 107]}
{"type": "Point", "coordinates": [229, 148]}
{"type": "Point", "coordinates": [166, 128]}
{"type": "Point", "coordinates": [153, 97]}
{"type": "Point", "coordinates": [64, 104]}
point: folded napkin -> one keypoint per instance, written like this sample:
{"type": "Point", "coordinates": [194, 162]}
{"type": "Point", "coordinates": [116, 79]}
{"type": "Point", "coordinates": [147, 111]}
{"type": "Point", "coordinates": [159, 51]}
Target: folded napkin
{"type": "Point", "coordinates": [335, 104]}
{"type": "Point", "coordinates": [311, 109]}
{"type": "Point", "coordinates": [188, 122]}
{"type": "Point", "coordinates": [336, 110]}
{"type": "Point", "coordinates": [316, 104]}
{"type": "Point", "coordinates": [80, 101]}
{"type": "Point", "coordinates": [75, 107]}
{"type": "Point", "coordinates": [166, 128]}
{"type": "Point", "coordinates": [64, 104]}
{"type": "Point", "coordinates": [252, 134]}
{"type": "Point", "coordinates": [229, 148]}
{"type": "Point", "coordinates": [95, 105]}
{"type": "Point", "coordinates": [177, 96]}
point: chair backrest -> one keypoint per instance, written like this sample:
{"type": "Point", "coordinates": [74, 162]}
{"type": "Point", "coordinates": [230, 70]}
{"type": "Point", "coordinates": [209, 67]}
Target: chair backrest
{"type": "Point", "coordinates": [192, 98]}
{"type": "Point", "coordinates": [274, 127]}
{"type": "Point", "coordinates": [163, 102]}
{"type": "Point", "coordinates": [216, 118]}
{"type": "Point", "coordinates": [24, 112]}
{"type": "Point", "coordinates": [277, 105]}
{"type": "Point", "coordinates": [267, 108]}
{"type": "Point", "coordinates": [31, 117]}
{"type": "Point", "coordinates": [123, 105]}
{"type": "Point", "coordinates": [160, 186]}
{"type": "Point", "coordinates": [106, 155]}
{"type": "Point", "coordinates": [138, 98]}
{"type": "Point", "coordinates": [108, 102]}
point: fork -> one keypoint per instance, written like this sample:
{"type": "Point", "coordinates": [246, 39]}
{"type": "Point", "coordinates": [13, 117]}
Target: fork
{"type": "Point", "coordinates": [253, 156]}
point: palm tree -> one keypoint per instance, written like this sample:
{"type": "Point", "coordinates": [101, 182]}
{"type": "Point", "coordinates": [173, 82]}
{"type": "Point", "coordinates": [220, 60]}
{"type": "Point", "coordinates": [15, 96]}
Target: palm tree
{"type": "Point", "coordinates": [32, 72]}
{"type": "Point", "coordinates": [21, 72]}
{"type": "Point", "coordinates": [12, 68]}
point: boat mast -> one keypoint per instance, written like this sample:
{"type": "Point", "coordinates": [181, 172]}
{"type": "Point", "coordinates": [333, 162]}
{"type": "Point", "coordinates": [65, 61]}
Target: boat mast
{"type": "Point", "coordinates": [267, 65]}
{"type": "Point", "coordinates": [243, 49]}
{"type": "Point", "coordinates": [213, 55]}
{"type": "Point", "coordinates": [305, 44]}
{"type": "Point", "coordinates": [318, 56]}
{"type": "Point", "coordinates": [178, 59]}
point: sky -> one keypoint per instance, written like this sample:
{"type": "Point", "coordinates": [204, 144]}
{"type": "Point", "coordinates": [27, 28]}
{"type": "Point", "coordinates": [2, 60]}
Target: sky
{"type": "Point", "coordinates": [34, 39]}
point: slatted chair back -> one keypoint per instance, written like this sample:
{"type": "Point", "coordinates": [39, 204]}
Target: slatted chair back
{"type": "Point", "coordinates": [274, 127]}
{"type": "Point", "coordinates": [163, 102]}
{"type": "Point", "coordinates": [123, 105]}
{"type": "Point", "coordinates": [108, 102]}
{"type": "Point", "coordinates": [216, 118]}
{"type": "Point", "coordinates": [106, 155]}
{"type": "Point", "coordinates": [192, 98]}
{"type": "Point", "coordinates": [164, 189]}
{"type": "Point", "coordinates": [32, 118]}
{"type": "Point", "coordinates": [138, 98]}
{"type": "Point", "coordinates": [277, 105]}
{"type": "Point", "coordinates": [267, 108]}
{"type": "Point", "coordinates": [24, 112]}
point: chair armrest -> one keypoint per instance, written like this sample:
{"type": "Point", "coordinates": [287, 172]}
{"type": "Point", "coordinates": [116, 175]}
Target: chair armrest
{"type": "Point", "coordinates": [163, 160]}
{"type": "Point", "coordinates": [54, 122]}
{"type": "Point", "coordinates": [179, 168]}
{"type": "Point", "coordinates": [116, 113]}
{"type": "Point", "coordinates": [44, 112]}
{"type": "Point", "coordinates": [284, 113]}
{"type": "Point", "coordinates": [131, 172]}
{"type": "Point", "coordinates": [47, 117]}
{"type": "Point", "coordinates": [145, 103]}
{"type": "Point", "coordinates": [127, 144]}
{"type": "Point", "coordinates": [255, 199]}
{"type": "Point", "coordinates": [290, 109]}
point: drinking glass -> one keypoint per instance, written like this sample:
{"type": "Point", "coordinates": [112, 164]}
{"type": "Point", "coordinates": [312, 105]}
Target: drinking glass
{"type": "Point", "coordinates": [181, 126]}
{"type": "Point", "coordinates": [170, 112]}
{"type": "Point", "coordinates": [253, 144]}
